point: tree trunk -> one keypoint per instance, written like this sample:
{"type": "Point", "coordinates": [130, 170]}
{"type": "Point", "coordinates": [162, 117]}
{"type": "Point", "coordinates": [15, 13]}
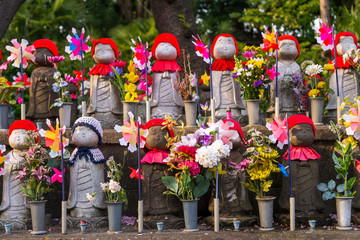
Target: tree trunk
{"type": "Point", "coordinates": [177, 17]}
{"type": "Point", "coordinates": [126, 9]}
{"type": "Point", "coordinates": [8, 9]}
{"type": "Point", "coordinates": [325, 11]}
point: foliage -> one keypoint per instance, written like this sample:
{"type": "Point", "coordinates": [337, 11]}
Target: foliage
{"type": "Point", "coordinates": [343, 157]}
{"type": "Point", "coordinates": [112, 189]}
{"type": "Point", "coordinates": [7, 89]}
{"type": "Point", "coordinates": [259, 164]}
{"type": "Point", "coordinates": [36, 172]}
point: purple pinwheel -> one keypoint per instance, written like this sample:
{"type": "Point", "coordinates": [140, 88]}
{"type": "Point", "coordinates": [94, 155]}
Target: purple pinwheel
{"type": "Point", "coordinates": [76, 44]}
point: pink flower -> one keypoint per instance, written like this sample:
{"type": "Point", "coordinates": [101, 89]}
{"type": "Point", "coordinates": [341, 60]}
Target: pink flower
{"type": "Point", "coordinates": [70, 79]}
{"type": "Point", "coordinates": [118, 64]}
{"type": "Point", "coordinates": [38, 173]}
{"type": "Point", "coordinates": [249, 54]}
{"type": "Point", "coordinates": [272, 73]}
{"type": "Point", "coordinates": [19, 100]}
{"type": "Point", "coordinates": [241, 166]}
{"type": "Point", "coordinates": [73, 96]}
{"type": "Point", "coordinates": [193, 167]}
{"type": "Point", "coordinates": [21, 174]}
{"type": "Point", "coordinates": [56, 59]}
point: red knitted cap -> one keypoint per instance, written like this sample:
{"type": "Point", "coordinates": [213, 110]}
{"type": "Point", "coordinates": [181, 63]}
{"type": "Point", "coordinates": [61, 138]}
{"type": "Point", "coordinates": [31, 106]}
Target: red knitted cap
{"type": "Point", "coordinates": [342, 34]}
{"type": "Point", "coordinates": [165, 37]}
{"type": "Point", "coordinates": [23, 124]}
{"type": "Point", "coordinates": [298, 119]}
{"type": "Point", "coordinates": [158, 122]}
{"type": "Point", "coordinates": [223, 35]}
{"type": "Point", "coordinates": [289, 37]}
{"type": "Point", "coordinates": [236, 127]}
{"type": "Point", "coordinates": [46, 43]}
{"type": "Point", "coordinates": [105, 41]}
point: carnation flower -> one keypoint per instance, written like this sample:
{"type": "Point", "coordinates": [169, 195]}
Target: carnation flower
{"type": "Point", "coordinates": [114, 186]}
{"type": "Point", "coordinates": [194, 167]}
{"type": "Point", "coordinates": [313, 69]}
{"type": "Point", "coordinates": [90, 197]}
{"type": "Point", "coordinates": [104, 186]}
{"type": "Point", "coordinates": [221, 149]}
{"type": "Point", "coordinates": [206, 157]}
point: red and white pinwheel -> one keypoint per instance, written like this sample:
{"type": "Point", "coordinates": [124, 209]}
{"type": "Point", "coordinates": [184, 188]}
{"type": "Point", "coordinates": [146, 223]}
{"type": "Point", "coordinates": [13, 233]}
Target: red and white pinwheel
{"type": "Point", "coordinates": [279, 130]}
{"type": "Point", "coordinates": [139, 55]}
{"type": "Point", "coordinates": [201, 49]}
{"type": "Point", "coordinates": [325, 38]}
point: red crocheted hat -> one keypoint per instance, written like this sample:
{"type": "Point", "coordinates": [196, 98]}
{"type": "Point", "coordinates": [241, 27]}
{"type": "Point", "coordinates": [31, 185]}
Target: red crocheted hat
{"type": "Point", "coordinates": [105, 41]}
{"type": "Point", "coordinates": [236, 127]}
{"type": "Point", "coordinates": [165, 37]}
{"type": "Point", "coordinates": [298, 119]}
{"type": "Point", "coordinates": [158, 122]}
{"type": "Point", "coordinates": [223, 35]}
{"type": "Point", "coordinates": [46, 43]}
{"type": "Point", "coordinates": [23, 124]}
{"type": "Point", "coordinates": [289, 37]}
{"type": "Point", "coordinates": [342, 34]}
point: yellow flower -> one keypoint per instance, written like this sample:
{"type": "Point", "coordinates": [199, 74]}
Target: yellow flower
{"type": "Point", "coordinates": [131, 67]}
{"type": "Point", "coordinates": [261, 95]}
{"type": "Point", "coordinates": [131, 96]}
{"type": "Point", "coordinates": [259, 64]}
{"type": "Point", "coordinates": [132, 77]}
{"type": "Point", "coordinates": [321, 84]}
{"type": "Point", "coordinates": [130, 87]}
{"type": "Point", "coordinates": [205, 78]}
{"type": "Point", "coordinates": [313, 92]}
{"type": "Point", "coordinates": [329, 67]}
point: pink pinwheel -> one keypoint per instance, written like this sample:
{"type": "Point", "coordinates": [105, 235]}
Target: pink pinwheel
{"type": "Point", "coordinates": [279, 131]}
{"type": "Point", "coordinates": [17, 79]}
{"type": "Point", "coordinates": [139, 56]}
{"type": "Point", "coordinates": [76, 43]}
{"type": "Point", "coordinates": [225, 133]}
{"type": "Point", "coordinates": [57, 176]}
{"type": "Point", "coordinates": [353, 120]}
{"type": "Point", "coordinates": [325, 38]}
{"type": "Point", "coordinates": [130, 133]}
{"type": "Point", "coordinates": [16, 52]}
{"type": "Point", "coordinates": [272, 73]}
{"type": "Point", "coordinates": [201, 49]}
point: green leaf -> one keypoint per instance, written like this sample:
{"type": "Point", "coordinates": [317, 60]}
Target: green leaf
{"type": "Point", "coordinates": [331, 184]}
{"type": "Point", "coordinates": [335, 159]}
{"type": "Point", "coordinates": [57, 4]}
{"type": "Point", "coordinates": [201, 188]}
{"type": "Point", "coordinates": [347, 148]}
{"type": "Point", "coordinates": [322, 187]}
{"type": "Point", "coordinates": [340, 171]}
{"type": "Point", "coordinates": [351, 183]}
{"type": "Point", "coordinates": [171, 183]}
{"type": "Point", "coordinates": [340, 188]}
{"type": "Point", "coordinates": [326, 196]}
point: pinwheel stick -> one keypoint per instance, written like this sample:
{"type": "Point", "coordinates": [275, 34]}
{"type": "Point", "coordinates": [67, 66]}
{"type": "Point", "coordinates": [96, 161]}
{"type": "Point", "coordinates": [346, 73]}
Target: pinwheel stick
{"type": "Point", "coordinates": [212, 102]}
{"type": "Point", "coordinates": [277, 103]}
{"type": "Point", "coordinates": [63, 203]}
{"type": "Point", "coordinates": [147, 89]}
{"type": "Point", "coordinates": [197, 96]}
{"type": "Point", "coordinates": [140, 202]}
{"type": "Point", "coordinates": [216, 200]}
{"type": "Point", "coordinates": [337, 80]}
{"type": "Point", "coordinates": [83, 103]}
{"type": "Point", "coordinates": [22, 90]}
{"type": "Point", "coordinates": [292, 199]}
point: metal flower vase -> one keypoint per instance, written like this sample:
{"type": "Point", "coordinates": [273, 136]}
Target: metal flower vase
{"type": "Point", "coordinates": [343, 210]}
{"type": "Point", "coordinates": [253, 109]}
{"type": "Point", "coordinates": [37, 209]}
{"type": "Point", "coordinates": [128, 107]}
{"type": "Point", "coordinates": [190, 208]}
{"type": "Point", "coordinates": [317, 105]}
{"type": "Point", "coordinates": [191, 113]}
{"type": "Point", "coordinates": [266, 206]}
{"type": "Point", "coordinates": [65, 114]}
{"type": "Point", "coordinates": [4, 113]}
{"type": "Point", "coordinates": [114, 216]}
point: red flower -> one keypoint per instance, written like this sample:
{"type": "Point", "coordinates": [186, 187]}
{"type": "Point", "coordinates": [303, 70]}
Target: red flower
{"type": "Point", "coordinates": [191, 151]}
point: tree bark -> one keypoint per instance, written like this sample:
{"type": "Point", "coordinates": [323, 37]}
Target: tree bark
{"type": "Point", "coordinates": [325, 11]}
{"type": "Point", "coordinates": [126, 9]}
{"type": "Point", "coordinates": [177, 17]}
{"type": "Point", "coordinates": [8, 9]}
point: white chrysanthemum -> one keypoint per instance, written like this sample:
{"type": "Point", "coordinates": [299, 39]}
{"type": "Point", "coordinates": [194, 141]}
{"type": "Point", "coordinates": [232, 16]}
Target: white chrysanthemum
{"type": "Point", "coordinates": [114, 186]}
{"type": "Point", "coordinates": [206, 157]}
{"type": "Point", "coordinates": [222, 150]}
{"type": "Point", "coordinates": [313, 69]}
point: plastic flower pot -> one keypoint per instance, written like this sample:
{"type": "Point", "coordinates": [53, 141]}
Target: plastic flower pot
{"type": "Point", "coordinates": [159, 226]}
{"type": "Point", "coordinates": [7, 228]}
{"type": "Point", "coordinates": [65, 114]}
{"type": "Point", "coordinates": [266, 213]}
{"type": "Point", "coordinates": [190, 208]}
{"type": "Point", "coordinates": [114, 216]}
{"type": "Point", "coordinates": [37, 209]}
{"type": "Point", "coordinates": [190, 113]}
{"type": "Point", "coordinates": [236, 225]}
{"type": "Point", "coordinates": [343, 210]}
{"type": "Point", "coordinates": [129, 107]}
{"type": "Point", "coordinates": [4, 113]}
{"type": "Point", "coordinates": [83, 228]}
{"type": "Point", "coordinates": [253, 109]}
{"type": "Point", "coordinates": [317, 105]}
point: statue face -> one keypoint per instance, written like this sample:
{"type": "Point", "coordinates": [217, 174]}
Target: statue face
{"type": "Point", "coordinates": [41, 55]}
{"type": "Point", "coordinates": [301, 135]}
{"type": "Point", "coordinates": [85, 137]}
{"type": "Point", "coordinates": [345, 44]}
{"type": "Point", "coordinates": [236, 141]}
{"type": "Point", "coordinates": [224, 48]}
{"type": "Point", "coordinates": [104, 54]}
{"type": "Point", "coordinates": [17, 139]}
{"type": "Point", "coordinates": [156, 137]}
{"type": "Point", "coordinates": [287, 50]}
{"type": "Point", "coordinates": [165, 51]}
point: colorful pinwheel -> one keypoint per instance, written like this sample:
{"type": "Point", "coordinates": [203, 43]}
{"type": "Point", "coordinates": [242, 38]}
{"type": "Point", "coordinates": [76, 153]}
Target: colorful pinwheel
{"type": "Point", "coordinates": [225, 133]}
{"type": "Point", "coordinates": [52, 138]}
{"type": "Point", "coordinates": [57, 176]}
{"type": "Point", "coordinates": [16, 53]}
{"type": "Point", "coordinates": [283, 170]}
{"type": "Point", "coordinates": [17, 79]}
{"type": "Point", "coordinates": [135, 173]}
{"type": "Point", "coordinates": [269, 40]}
{"type": "Point", "coordinates": [130, 133]}
{"type": "Point", "coordinates": [139, 55]}
{"type": "Point", "coordinates": [201, 49]}
{"type": "Point", "coordinates": [325, 38]}
{"type": "Point", "coordinates": [352, 119]}
{"type": "Point", "coordinates": [279, 131]}
{"type": "Point", "coordinates": [2, 159]}
{"type": "Point", "coordinates": [357, 165]}
{"type": "Point", "coordinates": [76, 43]}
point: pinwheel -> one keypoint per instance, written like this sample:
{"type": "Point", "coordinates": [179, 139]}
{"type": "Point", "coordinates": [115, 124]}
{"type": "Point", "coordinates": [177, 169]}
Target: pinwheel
{"type": "Point", "coordinates": [52, 138]}
{"type": "Point", "coordinates": [201, 49]}
{"type": "Point", "coordinates": [139, 55]}
{"type": "Point", "coordinates": [77, 45]}
{"type": "Point", "coordinates": [283, 170]}
{"type": "Point", "coordinates": [135, 173]}
{"type": "Point", "coordinates": [17, 79]}
{"type": "Point", "coordinates": [325, 38]}
{"type": "Point", "coordinates": [269, 40]}
{"type": "Point", "coordinates": [279, 131]}
{"type": "Point", "coordinates": [130, 132]}
{"type": "Point", "coordinates": [357, 165]}
{"type": "Point", "coordinates": [225, 133]}
{"type": "Point", "coordinates": [2, 159]}
{"type": "Point", "coordinates": [352, 119]}
{"type": "Point", "coordinates": [220, 170]}
{"type": "Point", "coordinates": [16, 53]}
{"type": "Point", "coordinates": [57, 176]}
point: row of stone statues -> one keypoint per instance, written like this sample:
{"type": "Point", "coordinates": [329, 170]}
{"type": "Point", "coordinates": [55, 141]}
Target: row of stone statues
{"type": "Point", "coordinates": [105, 102]}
